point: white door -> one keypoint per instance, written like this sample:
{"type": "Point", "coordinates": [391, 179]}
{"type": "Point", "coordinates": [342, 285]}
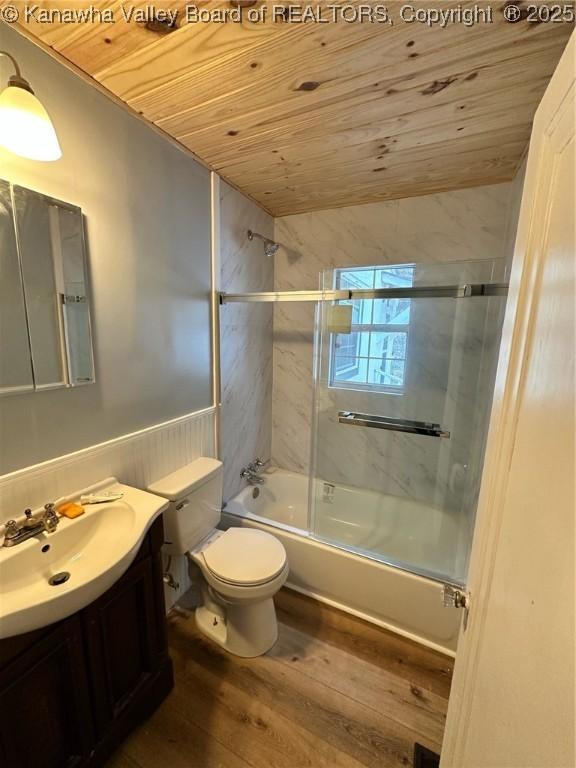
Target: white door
{"type": "Point", "coordinates": [512, 702]}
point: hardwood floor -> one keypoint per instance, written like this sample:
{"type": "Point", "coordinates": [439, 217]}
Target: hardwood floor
{"type": "Point", "coordinates": [334, 692]}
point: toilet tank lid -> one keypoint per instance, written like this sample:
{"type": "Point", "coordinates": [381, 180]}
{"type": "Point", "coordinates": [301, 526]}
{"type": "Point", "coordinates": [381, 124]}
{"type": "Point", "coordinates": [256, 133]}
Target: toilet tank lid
{"type": "Point", "coordinates": [183, 481]}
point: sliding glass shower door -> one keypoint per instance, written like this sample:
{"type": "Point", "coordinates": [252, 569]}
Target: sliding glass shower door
{"type": "Point", "coordinates": [403, 388]}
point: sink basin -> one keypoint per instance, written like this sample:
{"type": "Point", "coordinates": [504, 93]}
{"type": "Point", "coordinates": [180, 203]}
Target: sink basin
{"type": "Point", "coordinates": [53, 575]}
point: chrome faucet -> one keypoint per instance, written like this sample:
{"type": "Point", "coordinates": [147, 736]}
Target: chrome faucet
{"type": "Point", "coordinates": [258, 465]}
{"type": "Point", "coordinates": [251, 477]}
{"type": "Point", "coordinates": [251, 473]}
{"type": "Point", "coordinates": [47, 522]}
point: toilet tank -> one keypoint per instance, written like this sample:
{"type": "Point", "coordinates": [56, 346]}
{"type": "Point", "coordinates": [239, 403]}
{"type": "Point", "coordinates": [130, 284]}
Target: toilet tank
{"type": "Point", "coordinates": [195, 493]}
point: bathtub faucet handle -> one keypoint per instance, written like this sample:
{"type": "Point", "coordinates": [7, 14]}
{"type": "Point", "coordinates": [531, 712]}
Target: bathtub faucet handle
{"type": "Point", "coordinates": [251, 475]}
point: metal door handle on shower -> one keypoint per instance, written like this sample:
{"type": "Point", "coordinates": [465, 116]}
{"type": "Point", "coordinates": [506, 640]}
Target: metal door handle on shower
{"type": "Point", "coordinates": [396, 425]}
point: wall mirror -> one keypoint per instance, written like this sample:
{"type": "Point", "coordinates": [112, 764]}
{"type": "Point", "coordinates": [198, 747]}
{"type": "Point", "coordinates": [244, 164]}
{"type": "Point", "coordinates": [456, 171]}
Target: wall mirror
{"type": "Point", "coordinates": [45, 336]}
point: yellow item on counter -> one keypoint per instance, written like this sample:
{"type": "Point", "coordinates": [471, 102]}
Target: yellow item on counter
{"type": "Point", "coordinates": [71, 510]}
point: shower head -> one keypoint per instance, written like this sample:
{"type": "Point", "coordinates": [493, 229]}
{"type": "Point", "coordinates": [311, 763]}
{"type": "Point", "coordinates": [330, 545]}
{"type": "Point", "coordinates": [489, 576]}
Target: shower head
{"type": "Point", "coordinates": [270, 247]}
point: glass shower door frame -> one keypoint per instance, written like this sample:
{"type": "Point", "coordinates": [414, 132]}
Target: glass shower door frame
{"type": "Point", "coordinates": [321, 376]}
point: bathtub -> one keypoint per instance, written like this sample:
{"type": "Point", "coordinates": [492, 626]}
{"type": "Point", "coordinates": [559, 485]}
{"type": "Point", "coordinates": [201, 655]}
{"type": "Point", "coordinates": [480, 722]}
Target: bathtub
{"type": "Point", "coordinates": [338, 566]}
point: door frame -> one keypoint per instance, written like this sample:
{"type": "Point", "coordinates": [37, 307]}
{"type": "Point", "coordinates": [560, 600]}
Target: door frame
{"type": "Point", "coordinates": [518, 329]}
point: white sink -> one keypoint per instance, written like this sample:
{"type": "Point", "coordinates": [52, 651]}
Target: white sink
{"type": "Point", "coordinates": [95, 549]}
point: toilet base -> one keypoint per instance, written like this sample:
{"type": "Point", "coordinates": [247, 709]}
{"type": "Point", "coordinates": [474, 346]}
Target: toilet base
{"type": "Point", "coordinates": [243, 630]}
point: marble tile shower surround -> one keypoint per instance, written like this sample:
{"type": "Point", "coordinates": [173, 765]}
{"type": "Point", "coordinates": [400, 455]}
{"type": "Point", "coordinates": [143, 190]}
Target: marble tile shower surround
{"type": "Point", "coordinates": [245, 338]}
{"type": "Point", "coordinates": [449, 227]}
{"type": "Point", "coordinates": [447, 343]}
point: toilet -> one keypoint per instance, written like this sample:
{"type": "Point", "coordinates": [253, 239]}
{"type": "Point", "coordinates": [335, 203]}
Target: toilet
{"type": "Point", "coordinates": [241, 568]}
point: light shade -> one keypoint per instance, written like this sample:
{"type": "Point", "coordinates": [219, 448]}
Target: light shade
{"type": "Point", "coordinates": [25, 126]}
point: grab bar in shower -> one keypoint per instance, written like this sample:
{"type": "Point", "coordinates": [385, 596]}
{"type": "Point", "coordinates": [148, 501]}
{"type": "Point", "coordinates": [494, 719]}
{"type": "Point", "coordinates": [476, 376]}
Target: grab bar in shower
{"type": "Point", "coordinates": [395, 425]}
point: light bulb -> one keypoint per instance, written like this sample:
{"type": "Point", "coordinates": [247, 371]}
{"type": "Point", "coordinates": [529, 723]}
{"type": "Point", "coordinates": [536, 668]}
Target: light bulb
{"type": "Point", "coordinates": [25, 126]}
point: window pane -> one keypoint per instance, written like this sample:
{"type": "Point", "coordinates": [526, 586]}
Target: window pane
{"type": "Point", "coordinates": [374, 371]}
{"type": "Point", "coordinates": [392, 373]}
{"type": "Point", "coordinates": [349, 369]}
{"type": "Point", "coordinates": [361, 311]}
{"type": "Point", "coordinates": [344, 367]}
{"type": "Point", "coordinates": [346, 344]}
{"type": "Point", "coordinates": [359, 279]}
{"type": "Point", "coordinates": [399, 277]}
{"type": "Point", "coordinates": [364, 344]}
{"type": "Point", "coordinates": [373, 358]}
{"type": "Point", "coordinates": [356, 278]}
{"type": "Point", "coordinates": [391, 311]}
{"type": "Point", "coordinates": [388, 344]}
{"type": "Point", "coordinates": [395, 311]}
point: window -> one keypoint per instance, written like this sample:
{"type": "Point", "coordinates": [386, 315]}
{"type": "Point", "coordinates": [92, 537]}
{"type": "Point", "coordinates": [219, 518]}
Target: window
{"type": "Point", "coordinates": [373, 355]}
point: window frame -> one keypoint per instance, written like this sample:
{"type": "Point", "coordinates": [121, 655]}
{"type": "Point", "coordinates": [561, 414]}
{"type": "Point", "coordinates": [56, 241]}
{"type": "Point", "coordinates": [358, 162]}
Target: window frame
{"type": "Point", "coordinates": [367, 328]}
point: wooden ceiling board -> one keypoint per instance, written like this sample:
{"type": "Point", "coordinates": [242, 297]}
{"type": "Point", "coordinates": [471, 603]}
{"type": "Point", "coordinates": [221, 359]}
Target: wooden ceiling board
{"type": "Point", "coordinates": [101, 45]}
{"type": "Point", "coordinates": [57, 34]}
{"type": "Point", "coordinates": [366, 99]}
{"type": "Point", "coordinates": [235, 84]}
{"type": "Point", "coordinates": [310, 116]}
{"type": "Point", "coordinates": [362, 170]}
{"type": "Point", "coordinates": [398, 115]}
{"type": "Point", "coordinates": [237, 81]}
{"type": "Point", "coordinates": [184, 54]}
{"type": "Point", "coordinates": [293, 200]}
{"type": "Point", "coordinates": [363, 173]}
{"type": "Point", "coordinates": [357, 157]}
{"type": "Point", "coordinates": [441, 124]}
{"type": "Point", "coordinates": [444, 121]}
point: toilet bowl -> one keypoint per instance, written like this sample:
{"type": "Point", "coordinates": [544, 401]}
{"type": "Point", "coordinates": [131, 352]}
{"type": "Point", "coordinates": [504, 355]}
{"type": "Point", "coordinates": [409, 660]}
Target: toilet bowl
{"type": "Point", "coordinates": [240, 569]}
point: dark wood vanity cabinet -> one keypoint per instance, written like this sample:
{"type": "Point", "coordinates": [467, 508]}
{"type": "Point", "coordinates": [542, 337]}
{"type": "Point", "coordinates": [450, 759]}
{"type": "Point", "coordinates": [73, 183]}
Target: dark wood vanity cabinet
{"type": "Point", "coordinates": [70, 692]}
{"type": "Point", "coordinates": [45, 714]}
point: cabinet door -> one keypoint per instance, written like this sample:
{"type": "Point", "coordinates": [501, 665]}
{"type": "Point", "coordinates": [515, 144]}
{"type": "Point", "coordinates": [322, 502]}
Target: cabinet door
{"type": "Point", "coordinates": [122, 644]}
{"type": "Point", "coordinates": [45, 718]}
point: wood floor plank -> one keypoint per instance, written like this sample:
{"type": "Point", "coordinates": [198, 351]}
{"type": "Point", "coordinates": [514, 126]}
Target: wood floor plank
{"type": "Point", "coordinates": [171, 740]}
{"type": "Point", "coordinates": [395, 697]}
{"type": "Point", "coordinates": [335, 692]}
{"type": "Point", "coordinates": [258, 733]}
{"type": "Point", "coordinates": [423, 667]}
{"type": "Point", "coordinates": [121, 760]}
{"type": "Point", "coordinates": [360, 732]}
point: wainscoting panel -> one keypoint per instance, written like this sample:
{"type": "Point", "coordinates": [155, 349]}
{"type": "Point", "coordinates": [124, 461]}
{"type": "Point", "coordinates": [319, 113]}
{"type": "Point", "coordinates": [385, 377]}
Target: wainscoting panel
{"type": "Point", "coordinates": [136, 459]}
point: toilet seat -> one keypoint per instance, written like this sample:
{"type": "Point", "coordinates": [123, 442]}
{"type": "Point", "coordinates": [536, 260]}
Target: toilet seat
{"type": "Point", "coordinates": [244, 557]}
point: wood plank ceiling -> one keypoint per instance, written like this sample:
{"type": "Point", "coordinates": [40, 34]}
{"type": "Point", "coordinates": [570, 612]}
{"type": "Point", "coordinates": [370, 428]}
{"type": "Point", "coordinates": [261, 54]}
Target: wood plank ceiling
{"type": "Point", "coordinates": [304, 116]}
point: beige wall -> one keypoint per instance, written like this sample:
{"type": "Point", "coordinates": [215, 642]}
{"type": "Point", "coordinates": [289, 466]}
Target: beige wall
{"type": "Point", "coordinates": [147, 209]}
{"type": "Point", "coordinates": [245, 338]}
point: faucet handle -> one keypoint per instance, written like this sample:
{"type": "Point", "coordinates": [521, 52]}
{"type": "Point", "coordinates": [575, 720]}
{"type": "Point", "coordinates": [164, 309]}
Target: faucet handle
{"type": "Point", "coordinates": [50, 517]}
{"type": "Point", "coordinates": [258, 465]}
{"type": "Point", "coordinates": [11, 529]}
{"type": "Point", "coordinates": [30, 521]}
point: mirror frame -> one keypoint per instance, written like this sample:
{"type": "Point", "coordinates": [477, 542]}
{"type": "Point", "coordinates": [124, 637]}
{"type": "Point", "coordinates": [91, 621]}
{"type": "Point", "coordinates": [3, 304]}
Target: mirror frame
{"type": "Point", "coordinates": [64, 345]}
